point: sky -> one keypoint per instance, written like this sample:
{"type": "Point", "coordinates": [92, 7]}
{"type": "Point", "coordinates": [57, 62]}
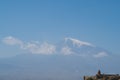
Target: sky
{"type": "Point", "coordinates": [93, 21]}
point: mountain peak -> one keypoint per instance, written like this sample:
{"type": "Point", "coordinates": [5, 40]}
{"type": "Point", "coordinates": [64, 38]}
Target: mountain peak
{"type": "Point", "coordinates": [78, 43]}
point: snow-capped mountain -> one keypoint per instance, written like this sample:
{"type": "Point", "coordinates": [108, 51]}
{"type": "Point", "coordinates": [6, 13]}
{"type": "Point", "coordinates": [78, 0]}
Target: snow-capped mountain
{"type": "Point", "coordinates": [71, 46]}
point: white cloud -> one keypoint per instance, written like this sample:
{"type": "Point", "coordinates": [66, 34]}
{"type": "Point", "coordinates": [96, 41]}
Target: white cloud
{"type": "Point", "coordinates": [78, 42]}
{"type": "Point", "coordinates": [33, 47]}
{"type": "Point", "coordinates": [12, 41]}
{"type": "Point", "coordinates": [101, 54]}
{"type": "Point", "coordinates": [44, 48]}
{"type": "Point", "coordinates": [66, 50]}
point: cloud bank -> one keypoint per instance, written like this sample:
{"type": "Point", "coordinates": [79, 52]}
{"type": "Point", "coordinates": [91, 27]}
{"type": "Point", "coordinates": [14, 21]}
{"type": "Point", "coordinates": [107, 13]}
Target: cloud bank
{"type": "Point", "coordinates": [101, 54]}
{"type": "Point", "coordinates": [66, 50]}
{"type": "Point", "coordinates": [12, 41]}
{"type": "Point", "coordinates": [31, 47]}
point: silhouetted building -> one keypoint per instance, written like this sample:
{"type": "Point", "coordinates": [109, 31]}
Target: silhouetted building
{"type": "Point", "coordinates": [100, 76]}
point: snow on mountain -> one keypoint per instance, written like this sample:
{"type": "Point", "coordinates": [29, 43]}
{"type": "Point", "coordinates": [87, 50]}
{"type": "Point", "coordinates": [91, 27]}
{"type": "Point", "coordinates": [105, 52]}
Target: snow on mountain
{"type": "Point", "coordinates": [78, 43]}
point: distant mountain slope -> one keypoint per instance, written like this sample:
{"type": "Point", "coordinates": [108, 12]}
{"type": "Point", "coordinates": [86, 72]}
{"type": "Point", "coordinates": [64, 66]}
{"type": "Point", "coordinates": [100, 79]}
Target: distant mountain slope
{"type": "Point", "coordinates": [55, 67]}
{"type": "Point", "coordinates": [72, 60]}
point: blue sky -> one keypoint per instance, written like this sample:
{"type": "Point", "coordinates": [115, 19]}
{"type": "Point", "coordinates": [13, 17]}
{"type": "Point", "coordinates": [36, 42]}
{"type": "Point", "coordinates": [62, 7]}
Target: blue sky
{"type": "Point", "coordinates": [94, 21]}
